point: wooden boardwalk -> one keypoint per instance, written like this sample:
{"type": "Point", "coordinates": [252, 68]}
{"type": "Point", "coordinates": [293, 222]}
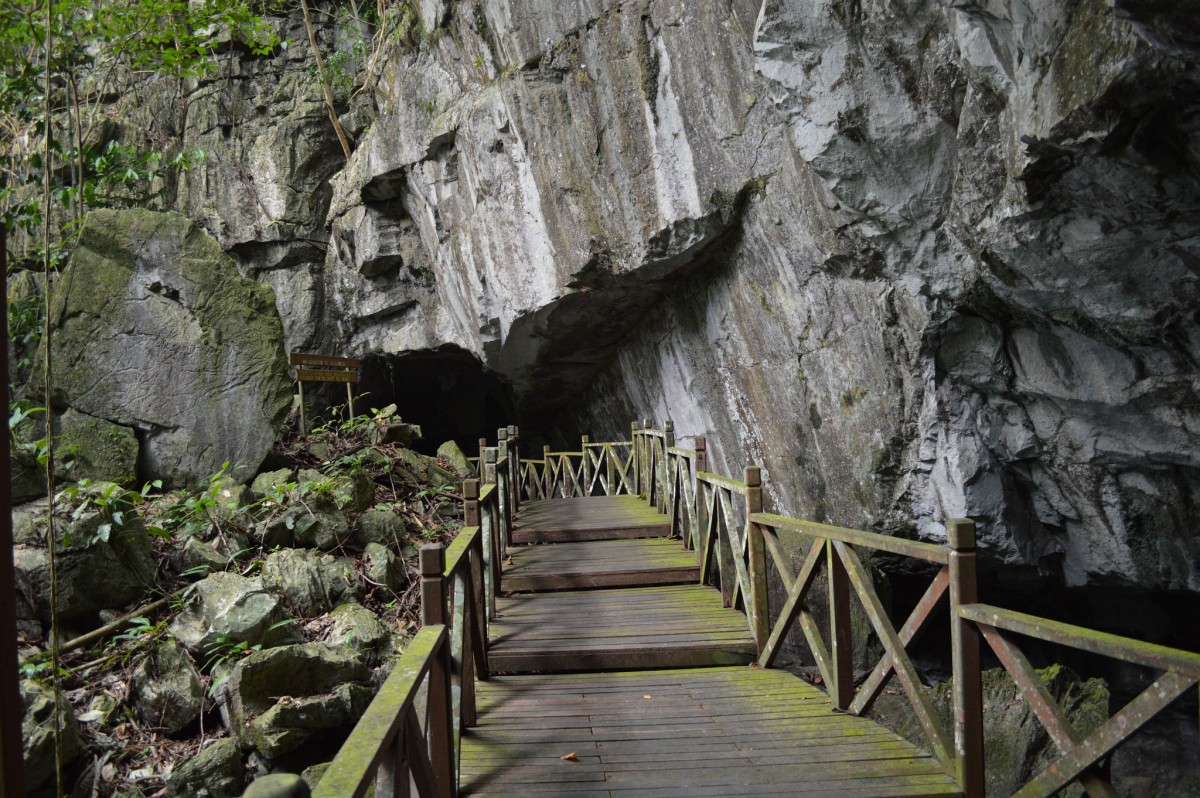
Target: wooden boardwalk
{"type": "Point", "coordinates": [696, 732]}
{"type": "Point", "coordinates": [592, 518]}
{"type": "Point", "coordinates": [608, 685]}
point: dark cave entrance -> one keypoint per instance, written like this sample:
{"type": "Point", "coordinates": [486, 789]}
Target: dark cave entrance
{"type": "Point", "coordinates": [446, 391]}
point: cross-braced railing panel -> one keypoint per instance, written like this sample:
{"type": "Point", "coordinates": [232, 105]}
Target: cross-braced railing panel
{"type": "Point", "coordinates": [681, 493]}
{"type": "Point", "coordinates": [832, 555]}
{"type": "Point", "coordinates": [1180, 672]}
{"type": "Point", "coordinates": [609, 468]}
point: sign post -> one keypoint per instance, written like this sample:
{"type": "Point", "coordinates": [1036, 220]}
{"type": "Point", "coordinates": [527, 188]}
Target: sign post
{"type": "Point", "coordinates": [324, 368]}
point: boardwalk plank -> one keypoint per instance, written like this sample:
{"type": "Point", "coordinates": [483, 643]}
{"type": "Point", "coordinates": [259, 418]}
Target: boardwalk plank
{"type": "Point", "coordinates": [591, 518]}
{"type": "Point", "coordinates": [599, 563]}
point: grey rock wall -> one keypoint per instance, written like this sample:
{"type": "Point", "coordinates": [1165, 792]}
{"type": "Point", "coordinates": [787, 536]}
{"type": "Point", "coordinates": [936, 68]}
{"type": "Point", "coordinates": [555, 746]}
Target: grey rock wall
{"type": "Point", "coordinates": [918, 260]}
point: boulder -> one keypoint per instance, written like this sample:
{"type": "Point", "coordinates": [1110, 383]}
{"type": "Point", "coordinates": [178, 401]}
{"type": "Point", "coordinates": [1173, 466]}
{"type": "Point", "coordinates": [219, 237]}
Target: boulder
{"type": "Point", "coordinates": [37, 732]}
{"type": "Point", "coordinates": [100, 565]}
{"type": "Point", "coordinates": [311, 583]}
{"type": "Point", "coordinates": [354, 626]}
{"type": "Point", "coordinates": [230, 609]}
{"type": "Point", "coordinates": [323, 526]}
{"type": "Point", "coordinates": [1018, 746]}
{"type": "Point", "coordinates": [167, 689]}
{"type": "Point", "coordinates": [269, 482]}
{"type": "Point", "coordinates": [215, 772]}
{"type": "Point", "coordinates": [379, 526]}
{"type": "Point", "coordinates": [385, 568]}
{"type": "Point", "coordinates": [450, 453]}
{"type": "Point", "coordinates": [277, 700]}
{"type": "Point", "coordinates": [154, 329]}
{"type": "Point", "coordinates": [195, 554]}
{"type": "Point", "coordinates": [425, 468]}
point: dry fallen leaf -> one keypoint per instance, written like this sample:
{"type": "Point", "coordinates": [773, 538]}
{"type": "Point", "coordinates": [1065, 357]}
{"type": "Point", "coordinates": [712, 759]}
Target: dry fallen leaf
{"type": "Point", "coordinates": [646, 697]}
{"type": "Point", "coordinates": [571, 757]}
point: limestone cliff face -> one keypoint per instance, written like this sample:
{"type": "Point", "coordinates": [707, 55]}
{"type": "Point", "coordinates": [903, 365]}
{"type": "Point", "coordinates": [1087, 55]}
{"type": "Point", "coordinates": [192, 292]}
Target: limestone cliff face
{"type": "Point", "coordinates": [919, 260]}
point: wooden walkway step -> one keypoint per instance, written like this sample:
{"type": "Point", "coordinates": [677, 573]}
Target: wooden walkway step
{"type": "Point", "coordinates": [624, 628]}
{"type": "Point", "coordinates": [590, 518]}
{"type": "Point", "coordinates": [697, 732]}
{"type": "Point", "coordinates": [599, 563]}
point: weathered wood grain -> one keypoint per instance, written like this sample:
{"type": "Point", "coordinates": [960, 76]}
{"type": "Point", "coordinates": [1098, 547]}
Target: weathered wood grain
{"type": "Point", "coordinates": [703, 731]}
{"type": "Point", "coordinates": [588, 518]}
{"type": "Point", "coordinates": [599, 563]}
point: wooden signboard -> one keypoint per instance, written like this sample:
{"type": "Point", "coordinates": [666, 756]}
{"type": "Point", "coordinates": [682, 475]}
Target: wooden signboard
{"type": "Point", "coordinates": [324, 368]}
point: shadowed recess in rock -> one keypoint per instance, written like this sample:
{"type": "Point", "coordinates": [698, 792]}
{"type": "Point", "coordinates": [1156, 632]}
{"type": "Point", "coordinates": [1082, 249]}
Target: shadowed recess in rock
{"type": "Point", "coordinates": [447, 392]}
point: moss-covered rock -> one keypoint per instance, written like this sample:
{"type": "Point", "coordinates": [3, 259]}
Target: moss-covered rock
{"type": "Point", "coordinates": [215, 772]}
{"type": "Point", "coordinates": [230, 609]}
{"type": "Point", "coordinates": [101, 565]}
{"type": "Point", "coordinates": [37, 732]}
{"type": "Point", "coordinates": [101, 450]}
{"type": "Point", "coordinates": [277, 700]}
{"type": "Point", "coordinates": [1017, 746]}
{"type": "Point", "coordinates": [167, 688]}
{"type": "Point", "coordinates": [154, 329]}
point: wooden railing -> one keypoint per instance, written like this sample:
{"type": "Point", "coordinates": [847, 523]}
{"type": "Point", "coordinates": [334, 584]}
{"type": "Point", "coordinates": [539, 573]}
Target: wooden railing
{"type": "Point", "coordinates": [409, 736]}
{"type": "Point", "coordinates": [597, 469]}
{"type": "Point", "coordinates": [722, 519]}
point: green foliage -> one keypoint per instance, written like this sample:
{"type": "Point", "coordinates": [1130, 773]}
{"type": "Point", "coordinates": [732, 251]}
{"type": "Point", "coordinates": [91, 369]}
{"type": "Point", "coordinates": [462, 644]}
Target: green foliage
{"type": "Point", "coordinates": [105, 42]}
{"type": "Point", "coordinates": [40, 667]}
{"type": "Point", "coordinates": [116, 504]}
{"type": "Point", "coordinates": [193, 511]}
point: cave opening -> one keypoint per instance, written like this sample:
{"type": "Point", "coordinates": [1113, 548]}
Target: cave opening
{"type": "Point", "coordinates": [447, 392]}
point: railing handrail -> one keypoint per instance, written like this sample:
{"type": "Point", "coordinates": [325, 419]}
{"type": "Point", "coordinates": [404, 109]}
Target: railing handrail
{"type": "Point", "coordinates": [930, 552]}
{"type": "Point", "coordinates": [721, 480]}
{"type": "Point", "coordinates": [375, 734]}
{"type": "Point", "coordinates": [1126, 649]}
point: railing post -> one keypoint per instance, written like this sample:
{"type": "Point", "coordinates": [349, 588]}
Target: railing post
{"type": "Point", "coordinates": [547, 478]}
{"type": "Point", "coordinates": [636, 452]}
{"type": "Point", "coordinates": [502, 453]}
{"type": "Point", "coordinates": [842, 650]}
{"type": "Point", "coordinates": [965, 668]}
{"type": "Point", "coordinates": [433, 611]}
{"type": "Point", "coordinates": [482, 447]}
{"type": "Point", "coordinates": [647, 461]}
{"type": "Point", "coordinates": [514, 460]}
{"type": "Point", "coordinates": [701, 454]}
{"type": "Point", "coordinates": [756, 553]}
{"type": "Point", "coordinates": [471, 517]}
{"type": "Point", "coordinates": [587, 465]}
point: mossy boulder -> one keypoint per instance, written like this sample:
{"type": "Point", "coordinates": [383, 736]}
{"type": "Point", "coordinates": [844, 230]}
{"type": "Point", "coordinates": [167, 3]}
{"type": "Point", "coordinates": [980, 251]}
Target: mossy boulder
{"type": "Point", "coordinates": [155, 329]}
{"type": "Point", "coordinates": [101, 450]}
{"type": "Point", "coordinates": [1017, 746]}
{"type": "Point", "coordinates": [450, 453]}
{"type": "Point", "coordinates": [167, 689]}
{"type": "Point", "coordinates": [101, 565]}
{"type": "Point", "coordinates": [215, 772]}
{"type": "Point", "coordinates": [279, 699]}
{"type": "Point", "coordinates": [310, 583]}
{"type": "Point", "coordinates": [37, 732]}
{"type": "Point", "coordinates": [379, 526]}
{"type": "Point", "coordinates": [230, 609]}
